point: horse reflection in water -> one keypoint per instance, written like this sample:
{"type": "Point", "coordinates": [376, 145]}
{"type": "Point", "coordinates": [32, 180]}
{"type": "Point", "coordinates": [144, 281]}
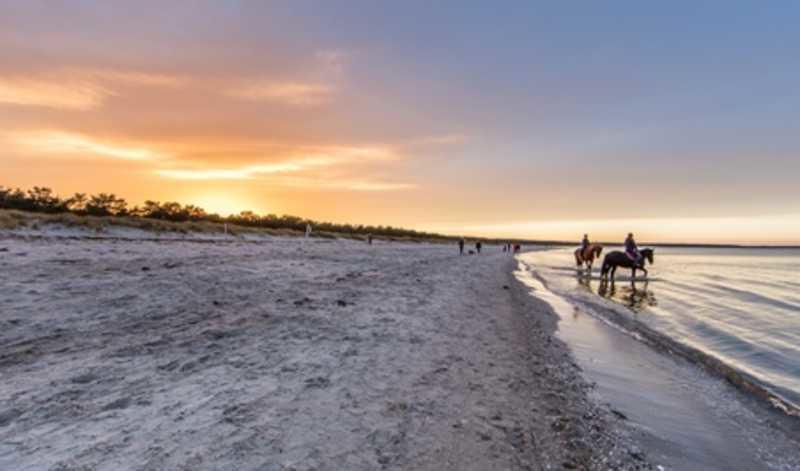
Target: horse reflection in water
{"type": "Point", "coordinates": [636, 298]}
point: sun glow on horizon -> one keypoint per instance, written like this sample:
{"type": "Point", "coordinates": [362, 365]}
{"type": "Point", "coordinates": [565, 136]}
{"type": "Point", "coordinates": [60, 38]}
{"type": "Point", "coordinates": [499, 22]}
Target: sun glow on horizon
{"type": "Point", "coordinates": [223, 204]}
{"type": "Point", "coordinates": [716, 230]}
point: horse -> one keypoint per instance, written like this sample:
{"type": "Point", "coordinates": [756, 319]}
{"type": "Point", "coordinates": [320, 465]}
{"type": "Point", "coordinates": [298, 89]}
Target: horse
{"type": "Point", "coordinates": [587, 255]}
{"type": "Point", "coordinates": [620, 259]}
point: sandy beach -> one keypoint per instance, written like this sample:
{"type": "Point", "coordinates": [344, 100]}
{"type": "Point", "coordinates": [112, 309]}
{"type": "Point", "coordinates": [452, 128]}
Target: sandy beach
{"type": "Point", "coordinates": [280, 353]}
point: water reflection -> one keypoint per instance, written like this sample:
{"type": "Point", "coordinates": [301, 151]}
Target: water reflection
{"type": "Point", "coordinates": [635, 297]}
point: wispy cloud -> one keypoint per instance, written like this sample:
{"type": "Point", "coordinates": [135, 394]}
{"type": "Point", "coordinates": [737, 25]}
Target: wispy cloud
{"type": "Point", "coordinates": [298, 171]}
{"type": "Point", "coordinates": [73, 144]}
{"type": "Point", "coordinates": [69, 94]}
{"type": "Point", "coordinates": [345, 184]}
{"type": "Point", "coordinates": [288, 93]}
{"type": "Point", "coordinates": [301, 160]}
{"type": "Point", "coordinates": [129, 77]}
{"type": "Point", "coordinates": [73, 88]}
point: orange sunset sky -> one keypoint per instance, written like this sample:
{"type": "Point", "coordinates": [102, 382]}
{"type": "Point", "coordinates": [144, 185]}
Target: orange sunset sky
{"type": "Point", "coordinates": [510, 121]}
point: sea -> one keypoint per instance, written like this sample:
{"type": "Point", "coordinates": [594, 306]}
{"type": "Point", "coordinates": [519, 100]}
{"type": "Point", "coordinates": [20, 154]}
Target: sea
{"type": "Point", "coordinates": [739, 305]}
{"type": "Point", "coordinates": [702, 357]}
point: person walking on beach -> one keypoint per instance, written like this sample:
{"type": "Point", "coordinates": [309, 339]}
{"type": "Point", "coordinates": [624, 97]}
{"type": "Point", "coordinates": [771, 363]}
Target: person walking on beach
{"type": "Point", "coordinates": [461, 246]}
{"type": "Point", "coordinates": [369, 239]}
{"type": "Point", "coordinates": [631, 249]}
{"type": "Point", "coordinates": [478, 247]}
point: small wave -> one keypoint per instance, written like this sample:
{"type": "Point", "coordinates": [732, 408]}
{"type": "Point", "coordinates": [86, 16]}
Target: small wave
{"type": "Point", "coordinates": [751, 296]}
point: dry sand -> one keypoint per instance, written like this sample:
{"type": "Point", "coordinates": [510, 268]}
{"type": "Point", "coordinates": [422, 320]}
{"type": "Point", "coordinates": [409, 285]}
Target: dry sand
{"type": "Point", "coordinates": [285, 354]}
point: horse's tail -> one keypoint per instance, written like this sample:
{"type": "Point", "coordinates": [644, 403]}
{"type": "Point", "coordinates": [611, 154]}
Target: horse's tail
{"type": "Point", "coordinates": [606, 267]}
{"type": "Point", "coordinates": [578, 260]}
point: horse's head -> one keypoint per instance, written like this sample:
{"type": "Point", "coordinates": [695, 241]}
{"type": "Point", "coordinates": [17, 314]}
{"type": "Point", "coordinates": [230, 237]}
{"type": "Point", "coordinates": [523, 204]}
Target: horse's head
{"type": "Point", "coordinates": [648, 254]}
{"type": "Point", "coordinates": [597, 250]}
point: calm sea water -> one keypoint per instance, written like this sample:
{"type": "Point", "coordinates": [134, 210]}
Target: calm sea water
{"type": "Point", "coordinates": [741, 306]}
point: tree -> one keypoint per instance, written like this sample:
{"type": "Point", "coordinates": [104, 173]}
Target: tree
{"type": "Point", "coordinates": [77, 203]}
{"type": "Point", "coordinates": [43, 199]}
{"type": "Point", "coordinates": [105, 204]}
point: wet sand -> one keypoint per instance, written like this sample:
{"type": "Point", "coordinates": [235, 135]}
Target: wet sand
{"type": "Point", "coordinates": [284, 354]}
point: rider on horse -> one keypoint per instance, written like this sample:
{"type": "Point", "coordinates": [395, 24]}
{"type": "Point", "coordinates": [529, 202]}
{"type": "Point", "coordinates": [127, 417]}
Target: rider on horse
{"type": "Point", "coordinates": [632, 250]}
{"type": "Point", "coordinates": [585, 246]}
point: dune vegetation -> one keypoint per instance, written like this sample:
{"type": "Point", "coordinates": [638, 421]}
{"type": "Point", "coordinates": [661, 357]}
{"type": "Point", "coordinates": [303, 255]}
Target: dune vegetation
{"type": "Point", "coordinates": [41, 205]}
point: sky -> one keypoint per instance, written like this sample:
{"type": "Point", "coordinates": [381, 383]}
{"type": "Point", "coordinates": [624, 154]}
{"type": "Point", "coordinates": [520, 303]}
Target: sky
{"type": "Point", "coordinates": [678, 121]}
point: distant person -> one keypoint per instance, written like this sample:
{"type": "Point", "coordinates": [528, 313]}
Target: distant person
{"type": "Point", "coordinates": [369, 239]}
{"type": "Point", "coordinates": [478, 247]}
{"type": "Point", "coordinates": [631, 249]}
{"type": "Point", "coordinates": [461, 246]}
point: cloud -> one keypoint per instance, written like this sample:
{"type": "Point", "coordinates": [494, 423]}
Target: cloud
{"type": "Point", "coordinates": [301, 160]}
{"type": "Point", "coordinates": [294, 171]}
{"type": "Point", "coordinates": [72, 95]}
{"type": "Point", "coordinates": [78, 89]}
{"type": "Point", "coordinates": [288, 93]}
{"type": "Point", "coordinates": [345, 184]}
{"type": "Point", "coordinates": [128, 77]}
{"type": "Point", "coordinates": [73, 144]}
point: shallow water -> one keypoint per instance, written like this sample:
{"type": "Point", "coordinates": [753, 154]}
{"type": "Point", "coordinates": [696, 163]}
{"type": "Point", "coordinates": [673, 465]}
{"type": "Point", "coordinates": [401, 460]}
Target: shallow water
{"type": "Point", "coordinates": [741, 306]}
{"type": "Point", "coordinates": [682, 417]}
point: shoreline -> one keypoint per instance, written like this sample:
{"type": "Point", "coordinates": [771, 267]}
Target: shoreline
{"type": "Point", "coordinates": [324, 354]}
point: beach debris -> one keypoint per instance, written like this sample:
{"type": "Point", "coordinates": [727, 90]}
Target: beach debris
{"type": "Point", "coordinates": [85, 378]}
{"type": "Point", "coordinates": [619, 414]}
{"type": "Point", "coordinates": [636, 454]}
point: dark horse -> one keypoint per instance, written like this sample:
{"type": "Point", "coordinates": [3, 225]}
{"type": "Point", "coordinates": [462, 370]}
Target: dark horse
{"type": "Point", "coordinates": [620, 259]}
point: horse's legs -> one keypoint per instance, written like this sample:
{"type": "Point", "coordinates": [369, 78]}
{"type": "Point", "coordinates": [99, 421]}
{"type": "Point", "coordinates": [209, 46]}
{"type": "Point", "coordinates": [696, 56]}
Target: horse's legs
{"type": "Point", "coordinates": [613, 273]}
{"type": "Point", "coordinates": [633, 274]}
{"type": "Point", "coordinates": [645, 271]}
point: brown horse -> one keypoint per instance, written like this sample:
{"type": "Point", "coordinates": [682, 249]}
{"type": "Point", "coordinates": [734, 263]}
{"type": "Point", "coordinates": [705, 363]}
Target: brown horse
{"type": "Point", "coordinates": [587, 255]}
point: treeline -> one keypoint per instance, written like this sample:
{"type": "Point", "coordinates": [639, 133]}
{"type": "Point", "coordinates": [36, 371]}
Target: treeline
{"type": "Point", "coordinates": [44, 200]}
